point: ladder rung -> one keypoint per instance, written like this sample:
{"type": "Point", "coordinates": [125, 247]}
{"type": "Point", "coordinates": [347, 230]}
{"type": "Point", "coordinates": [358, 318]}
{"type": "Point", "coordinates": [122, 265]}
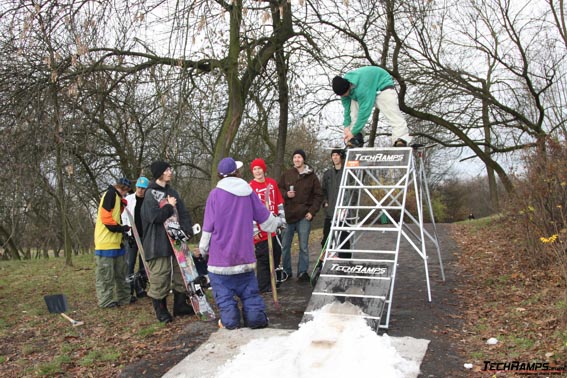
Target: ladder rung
{"type": "Point", "coordinates": [361, 260]}
{"type": "Point", "coordinates": [368, 207]}
{"type": "Point", "coordinates": [349, 295]}
{"type": "Point", "coordinates": [348, 315]}
{"type": "Point", "coordinates": [397, 229]}
{"type": "Point", "coordinates": [373, 251]}
{"type": "Point", "coordinates": [355, 277]}
{"type": "Point", "coordinates": [373, 186]}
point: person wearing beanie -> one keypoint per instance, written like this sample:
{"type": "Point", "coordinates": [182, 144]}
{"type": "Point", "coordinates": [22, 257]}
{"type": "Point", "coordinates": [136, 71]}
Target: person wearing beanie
{"type": "Point", "coordinates": [261, 184]}
{"type": "Point", "coordinates": [112, 290]}
{"type": "Point", "coordinates": [230, 211]}
{"type": "Point", "coordinates": [135, 200]}
{"type": "Point", "coordinates": [330, 186]}
{"type": "Point", "coordinates": [302, 194]}
{"type": "Point", "coordinates": [363, 89]}
{"type": "Point", "coordinates": [160, 200]}
{"type": "Point", "coordinates": [299, 151]}
{"type": "Point", "coordinates": [158, 168]}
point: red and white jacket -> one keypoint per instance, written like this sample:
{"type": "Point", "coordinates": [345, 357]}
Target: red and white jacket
{"type": "Point", "coordinates": [276, 203]}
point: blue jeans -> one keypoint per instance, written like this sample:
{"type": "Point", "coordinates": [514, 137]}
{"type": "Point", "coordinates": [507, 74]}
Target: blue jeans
{"type": "Point", "coordinates": [303, 227]}
{"type": "Point", "coordinates": [245, 287]}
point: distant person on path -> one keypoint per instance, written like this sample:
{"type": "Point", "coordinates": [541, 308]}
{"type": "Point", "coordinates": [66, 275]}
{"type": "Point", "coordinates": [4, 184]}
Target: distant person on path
{"type": "Point", "coordinates": [112, 290]}
{"type": "Point", "coordinates": [360, 91]}
{"type": "Point", "coordinates": [330, 187]}
{"type": "Point", "coordinates": [135, 201]}
{"type": "Point", "coordinates": [157, 247]}
{"type": "Point", "coordinates": [260, 185]}
{"type": "Point", "coordinates": [302, 199]}
{"type": "Point", "coordinates": [230, 211]}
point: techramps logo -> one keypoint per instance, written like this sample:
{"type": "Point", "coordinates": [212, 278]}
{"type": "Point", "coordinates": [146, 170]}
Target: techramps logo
{"type": "Point", "coordinates": [381, 158]}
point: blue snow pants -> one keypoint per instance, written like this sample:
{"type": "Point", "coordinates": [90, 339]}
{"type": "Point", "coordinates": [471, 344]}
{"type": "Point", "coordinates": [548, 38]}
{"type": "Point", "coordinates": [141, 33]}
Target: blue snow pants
{"type": "Point", "coordinates": [244, 286]}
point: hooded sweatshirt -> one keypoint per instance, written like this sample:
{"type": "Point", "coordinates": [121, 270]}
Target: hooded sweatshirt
{"type": "Point", "coordinates": [230, 211]}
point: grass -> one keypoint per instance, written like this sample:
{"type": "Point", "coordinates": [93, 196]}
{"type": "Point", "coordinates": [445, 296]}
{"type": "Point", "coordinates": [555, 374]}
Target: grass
{"type": "Point", "coordinates": [36, 342]}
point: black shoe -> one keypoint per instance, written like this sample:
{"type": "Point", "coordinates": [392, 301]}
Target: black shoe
{"type": "Point", "coordinates": [356, 141]}
{"type": "Point", "coordinates": [180, 305]}
{"type": "Point", "coordinates": [400, 143]}
{"type": "Point", "coordinates": [303, 277]}
{"type": "Point", "coordinates": [133, 299]}
{"type": "Point", "coordinates": [160, 307]}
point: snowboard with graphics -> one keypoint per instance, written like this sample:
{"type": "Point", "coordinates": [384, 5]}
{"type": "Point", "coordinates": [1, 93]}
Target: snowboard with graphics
{"type": "Point", "coordinates": [189, 272]}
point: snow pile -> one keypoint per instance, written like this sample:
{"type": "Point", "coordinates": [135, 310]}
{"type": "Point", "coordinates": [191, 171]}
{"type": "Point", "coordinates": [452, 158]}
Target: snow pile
{"type": "Point", "coordinates": [328, 346]}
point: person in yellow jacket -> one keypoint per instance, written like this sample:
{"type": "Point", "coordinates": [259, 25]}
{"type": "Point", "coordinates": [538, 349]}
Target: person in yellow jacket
{"type": "Point", "coordinates": [112, 290]}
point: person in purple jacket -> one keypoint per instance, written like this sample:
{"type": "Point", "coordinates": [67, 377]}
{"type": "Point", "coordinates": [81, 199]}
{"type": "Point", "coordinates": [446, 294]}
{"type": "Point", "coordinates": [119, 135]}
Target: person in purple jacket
{"type": "Point", "coordinates": [227, 239]}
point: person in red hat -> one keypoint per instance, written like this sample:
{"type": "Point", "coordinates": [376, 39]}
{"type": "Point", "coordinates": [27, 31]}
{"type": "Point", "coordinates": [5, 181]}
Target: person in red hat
{"type": "Point", "coordinates": [260, 185]}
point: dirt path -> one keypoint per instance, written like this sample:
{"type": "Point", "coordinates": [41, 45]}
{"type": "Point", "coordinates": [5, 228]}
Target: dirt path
{"type": "Point", "coordinates": [411, 315]}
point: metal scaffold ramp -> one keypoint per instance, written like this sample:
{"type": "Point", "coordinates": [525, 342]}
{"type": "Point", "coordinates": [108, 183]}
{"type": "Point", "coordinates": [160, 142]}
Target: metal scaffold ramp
{"type": "Point", "coordinates": [381, 197]}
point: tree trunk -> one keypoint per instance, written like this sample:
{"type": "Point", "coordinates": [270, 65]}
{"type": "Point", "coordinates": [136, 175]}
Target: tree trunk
{"type": "Point", "coordinates": [283, 91]}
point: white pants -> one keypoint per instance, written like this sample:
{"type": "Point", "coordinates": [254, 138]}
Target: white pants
{"type": "Point", "coordinates": [387, 103]}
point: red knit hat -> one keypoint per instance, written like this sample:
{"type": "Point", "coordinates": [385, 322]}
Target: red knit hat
{"type": "Point", "coordinates": [258, 162]}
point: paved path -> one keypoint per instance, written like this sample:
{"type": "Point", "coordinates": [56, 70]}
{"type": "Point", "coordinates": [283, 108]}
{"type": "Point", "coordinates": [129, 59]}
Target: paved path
{"type": "Point", "coordinates": [411, 315]}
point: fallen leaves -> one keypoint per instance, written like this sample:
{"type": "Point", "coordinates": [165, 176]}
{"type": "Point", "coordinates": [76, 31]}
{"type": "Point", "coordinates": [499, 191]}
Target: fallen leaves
{"type": "Point", "coordinates": [505, 298]}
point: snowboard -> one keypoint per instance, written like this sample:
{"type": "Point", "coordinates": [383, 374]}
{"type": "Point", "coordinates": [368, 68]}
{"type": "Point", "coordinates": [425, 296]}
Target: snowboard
{"type": "Point", "coordinates": [138, 240]}
{"type": "Point", "coordinates": [189, 271]}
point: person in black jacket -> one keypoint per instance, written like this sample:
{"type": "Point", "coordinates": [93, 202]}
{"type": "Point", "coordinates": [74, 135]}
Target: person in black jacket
{"type": "Point", "coordinates": [330, 187]}
{"type": "Point", "coordinates": [160, 200]}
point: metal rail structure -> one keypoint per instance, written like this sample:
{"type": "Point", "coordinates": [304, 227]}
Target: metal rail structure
{"type": "Point", "coordinates": [372, 212]}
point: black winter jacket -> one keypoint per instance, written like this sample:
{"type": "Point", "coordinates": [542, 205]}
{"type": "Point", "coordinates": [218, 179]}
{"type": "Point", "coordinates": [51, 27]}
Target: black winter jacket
{"type": "Point", "coordinates": [330, 186]}
{"type": "Point", "coordinates": [156, 242]}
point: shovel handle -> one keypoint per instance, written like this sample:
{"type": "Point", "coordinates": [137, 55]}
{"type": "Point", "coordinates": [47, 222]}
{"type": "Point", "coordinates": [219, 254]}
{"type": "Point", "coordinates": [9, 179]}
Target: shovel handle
{"type": "Point", "coordinates": [74, 322]}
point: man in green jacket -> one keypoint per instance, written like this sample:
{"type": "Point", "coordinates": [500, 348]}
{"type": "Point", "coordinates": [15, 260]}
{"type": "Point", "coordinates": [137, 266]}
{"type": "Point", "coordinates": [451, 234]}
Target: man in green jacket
{"type": "Point", "coordinates": [360, 91]}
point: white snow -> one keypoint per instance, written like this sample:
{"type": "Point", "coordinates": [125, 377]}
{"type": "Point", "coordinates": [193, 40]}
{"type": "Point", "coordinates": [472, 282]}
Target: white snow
{"type": "Point", "coordinates": [328, 346]}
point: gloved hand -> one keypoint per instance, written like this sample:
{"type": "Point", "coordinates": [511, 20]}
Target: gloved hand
{"type": "Point", "coordinates": [283, 224]}
{"type": "Point", "coordinates": [176, 233]}
{"type": "Point", "coordinates": [123, 202]}
{"type": "Point", "coordinates": [125, 228]}
{"type": "Point", "coordinates": [131, 241]}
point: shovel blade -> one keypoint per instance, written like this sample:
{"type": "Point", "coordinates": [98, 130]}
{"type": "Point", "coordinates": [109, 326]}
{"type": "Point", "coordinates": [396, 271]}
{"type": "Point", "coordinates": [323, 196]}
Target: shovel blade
{"type": "Point", "coordinates": [56, 304]}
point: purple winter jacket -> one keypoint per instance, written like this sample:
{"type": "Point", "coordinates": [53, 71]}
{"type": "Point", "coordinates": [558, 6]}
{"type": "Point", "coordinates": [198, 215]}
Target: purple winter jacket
{"type": "Point", "coordinates": [228, 231]}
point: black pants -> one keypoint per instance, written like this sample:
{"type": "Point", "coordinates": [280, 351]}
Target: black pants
{"type": "Point", "coordinates": [263, 262]}
{"type": "Point", "coordinates": [132, 252]}
{"type": "Point", "coordinates": [343, 235]}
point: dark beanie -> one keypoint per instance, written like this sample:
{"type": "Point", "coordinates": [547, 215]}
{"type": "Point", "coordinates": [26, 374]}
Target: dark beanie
{"type": "Point", "coordinates": [340, 85]}
{"type": "Point", "coordinates": [299, 152]}
{"type": "Point", "coordinates": [339, 151]}
{"type": "Point", "coordinates": [158, 167]}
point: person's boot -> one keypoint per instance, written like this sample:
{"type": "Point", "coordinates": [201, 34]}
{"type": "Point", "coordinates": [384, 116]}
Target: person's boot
{"type": "Point", "coordinates": [139, 289]}
{"type": "Point", "coordinates": [180, 305]}
{"type": "Point", "coordinates": [133, 298]}
{"type": "Point", "coordinates": [160, 307]}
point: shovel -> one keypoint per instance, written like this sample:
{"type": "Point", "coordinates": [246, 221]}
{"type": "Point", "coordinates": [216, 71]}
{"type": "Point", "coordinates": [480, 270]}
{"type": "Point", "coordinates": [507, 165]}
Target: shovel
{"type": "Point", "coordinates": [57, 304]}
